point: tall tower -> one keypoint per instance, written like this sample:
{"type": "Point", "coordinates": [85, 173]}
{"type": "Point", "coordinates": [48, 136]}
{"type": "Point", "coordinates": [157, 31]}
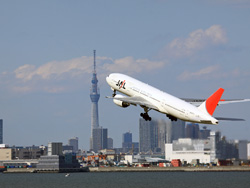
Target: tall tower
{"type": "Point", "coordinates": [1, 131]}
{"type": "Point", "coordinates": [94, 96]}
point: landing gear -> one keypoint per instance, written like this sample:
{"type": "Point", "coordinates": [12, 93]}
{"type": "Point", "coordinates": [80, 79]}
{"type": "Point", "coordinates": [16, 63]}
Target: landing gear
{"type": "Point", "coordinates": [172, 118]}
{"type": "Point", "coordinates": [114, 94]}
{"type": "Point", "coordinates": [146, 116]}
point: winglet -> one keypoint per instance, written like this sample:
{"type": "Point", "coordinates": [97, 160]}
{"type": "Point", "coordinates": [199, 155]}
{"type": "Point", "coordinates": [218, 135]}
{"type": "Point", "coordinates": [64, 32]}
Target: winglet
{"type": "Point", "coordinates": [211, 103]}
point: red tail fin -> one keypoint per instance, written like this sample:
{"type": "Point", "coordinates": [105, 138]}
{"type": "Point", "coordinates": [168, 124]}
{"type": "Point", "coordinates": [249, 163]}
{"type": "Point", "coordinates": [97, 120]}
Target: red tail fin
{"type": "Point", "coordinates": [211, 103]}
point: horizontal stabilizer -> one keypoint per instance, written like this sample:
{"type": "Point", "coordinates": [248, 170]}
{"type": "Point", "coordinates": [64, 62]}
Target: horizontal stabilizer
{"type": "Point", "coordinates": [198, 102]}
{"type": "Point", "coordinates": [229, 119]}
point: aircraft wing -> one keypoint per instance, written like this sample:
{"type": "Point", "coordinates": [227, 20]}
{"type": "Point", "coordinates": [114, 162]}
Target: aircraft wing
{"type": "Point", "coordinates": [136, 100]}
{"type": "Point", "coordinates": [198, 102]}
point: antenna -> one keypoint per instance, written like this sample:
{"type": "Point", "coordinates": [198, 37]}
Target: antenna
{"type": "Point", "coordinates": [94, 62]}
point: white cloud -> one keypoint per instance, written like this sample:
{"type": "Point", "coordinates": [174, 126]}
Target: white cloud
{"type": "Point", "coordinates": [60, 76]}
{"type": "Point", "coordinates": [196, 41]}
{"type": "Point", "coordinates": [214, 72]}
{"type": "Point", "coordinates": [129, 64]}
{"type": "Point", "coordinates": [55, 69]}
{"type": "Point", "coordinates": [208, 72]}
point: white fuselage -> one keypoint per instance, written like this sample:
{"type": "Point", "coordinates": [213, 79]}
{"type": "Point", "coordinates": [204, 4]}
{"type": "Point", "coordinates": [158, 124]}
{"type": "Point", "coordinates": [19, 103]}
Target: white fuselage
{"type": "Point", "coordinates": [165, 103]}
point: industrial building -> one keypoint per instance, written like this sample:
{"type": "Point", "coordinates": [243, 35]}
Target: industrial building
{"type": "Point", "coordinates": [55, 160]}
{"type": "Point", "coordinates": [55, 148]}
{"type": "Point", "coordinates": [187, 150]}
{"type": "Point", "coordinates": [208, 150]}
{"type": "Point", "coordinates": [32, 152]}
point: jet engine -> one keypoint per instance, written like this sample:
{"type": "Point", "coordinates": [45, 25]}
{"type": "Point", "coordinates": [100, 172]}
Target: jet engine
{"type": "Point", "coordinates": [120, 103]}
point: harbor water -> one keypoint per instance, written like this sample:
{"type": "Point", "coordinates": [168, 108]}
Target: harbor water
{"type": "Point", "coordinates": [128, 179]}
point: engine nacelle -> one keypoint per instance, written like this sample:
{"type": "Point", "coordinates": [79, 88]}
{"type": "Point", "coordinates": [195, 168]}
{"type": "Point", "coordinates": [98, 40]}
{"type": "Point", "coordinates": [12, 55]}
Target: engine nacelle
{"type": "Point", "coordinates": [120, 103]}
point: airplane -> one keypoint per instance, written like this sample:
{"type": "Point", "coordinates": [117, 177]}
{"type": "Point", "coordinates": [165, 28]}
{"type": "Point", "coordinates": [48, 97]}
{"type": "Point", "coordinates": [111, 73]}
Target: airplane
{"type": "Point", "coordinates": [151, 98]}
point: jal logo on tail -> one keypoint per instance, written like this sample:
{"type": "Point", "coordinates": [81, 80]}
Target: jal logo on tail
{"type": "Point", "coordinates": [121, 84]}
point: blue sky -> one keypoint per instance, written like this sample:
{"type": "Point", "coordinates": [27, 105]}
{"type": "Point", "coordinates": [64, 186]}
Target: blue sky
{"type": "Point", "coordinates": [186, 48]}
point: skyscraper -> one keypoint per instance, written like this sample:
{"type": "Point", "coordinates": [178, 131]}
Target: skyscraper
{"type": "Point", "coordinates": [192, 130]}
{"type": "Point", "coordinates": [94, 96]}
{"type": "Point", "coordinates": [204, 133]}
{"type": "Point", "coordinates": [100, 139]}
{"type": "Point", "coordinates": [127, 140]}
{"type": "Point", "coordinates": [177, 130]}
{"type": "Point", "coordinates": [110, 143]}
{"type": "Point", "coordinates": [1, 131]}
{"type": "Point", "coordinates": [148, 136]}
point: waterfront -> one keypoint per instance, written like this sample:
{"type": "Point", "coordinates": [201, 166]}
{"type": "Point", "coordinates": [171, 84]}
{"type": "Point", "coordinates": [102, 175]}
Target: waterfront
{"type": "Point", "coordinates": [128, 179]}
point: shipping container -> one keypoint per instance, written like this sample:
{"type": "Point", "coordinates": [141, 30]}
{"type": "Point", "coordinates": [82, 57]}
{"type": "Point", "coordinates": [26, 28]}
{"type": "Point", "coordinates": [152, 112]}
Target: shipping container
{"type": "Point", "coordinates": [176, 162]}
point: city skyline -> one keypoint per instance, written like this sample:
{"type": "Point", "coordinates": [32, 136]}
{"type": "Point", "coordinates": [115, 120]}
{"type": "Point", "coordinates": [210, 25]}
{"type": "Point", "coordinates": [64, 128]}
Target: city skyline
{"type": "Point", "coordinates": [188, 49]}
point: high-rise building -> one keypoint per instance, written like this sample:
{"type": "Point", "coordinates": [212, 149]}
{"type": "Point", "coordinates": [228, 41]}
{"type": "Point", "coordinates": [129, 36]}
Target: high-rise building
{"type": "Point", "coordinates": [162, 134]}
{"type": "Point", "coordinates": [94, 96]}
{"type": "Point", "coordinates": [148, 136]}
{"type": "Point", "coordinates": [110, 143]}
{"type": "Point", "coordinates": [242, 145]}
{"type": "Point", "coordinates": [153, 135]}
{"type": "Point", "coordinates": [192, 130]}
{"type": "Point", "coordinates": [175, 130]}
{"type": "Point", "coordinates": [127, 140]}
{"type": "Point", "coordinates": [1, 131]}
{"type": "Point", "coordinates": [74, 142]}
{"type": "Point", "coordinates": [100, 139]}
{"type": "Point", "coordinates": [204, 133]}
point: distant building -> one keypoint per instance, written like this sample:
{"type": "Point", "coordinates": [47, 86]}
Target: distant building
{"type": "Point", "coordinates": [67, 149]}
{"type": "Point", "coordinates": [58, 162]}
{"type": "Point", "coordinates": [6, 154]}
{"type": "Point", "coordinates": [55, 148]}
{"type": "Point", "coordinates": [192, 130]}
{"type": "Point", "coordinates": [248, 151]}
{"type": "Point", "coordinates": [187, 149]}
{"type": "Point", "coordinates": [100, 139]}
{"type": "Point", "coordinates": [74, 143]}
{"type": "Point", "coordinates": [204, 133]}
{"type": "Point", "coordinates": [177, 130]}
{"type": "Point", "coordinates": [110, 143]}
{"type": "Point", "coordinates": [127, 140]}
{"type": "Point", "coordinates": [1, 131]}
{"type": "Point", "coordinates": [243, 149]}
{"type": "Point", "coordinates": [154, 134]}
{"type": "Point", "coordinates": [32, 152]}
{"type": "Point", "coordinates": [148, 136]}
{"type": "Point", "coordinates": [204, 150]}
{"type": "Point", "coordinates": [162, 135]}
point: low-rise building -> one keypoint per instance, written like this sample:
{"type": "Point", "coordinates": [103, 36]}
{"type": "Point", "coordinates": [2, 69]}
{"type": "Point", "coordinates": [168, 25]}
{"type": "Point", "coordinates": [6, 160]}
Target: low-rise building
{"type": "Point", "coordinates": [187, 149]}
{"type": "Point", "coordinates": [6, 154]}
{"type": "Point", "coordinates": [208, 150]}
